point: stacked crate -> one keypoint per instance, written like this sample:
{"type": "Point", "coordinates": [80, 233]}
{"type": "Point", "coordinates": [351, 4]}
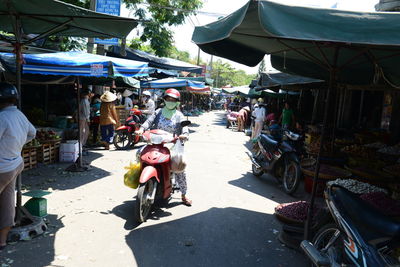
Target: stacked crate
{"type": "Point", "coordinates": [48, 152]}
{"type": "Point", "coordinates": [122, 114]}
{"type": "Point", "coordinates": [29, 156]}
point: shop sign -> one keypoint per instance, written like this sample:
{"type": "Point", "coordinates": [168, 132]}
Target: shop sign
{"type": "Point", "coordinates": [112, 7]}
{"type": "Point", "coordinates": [96, 69]}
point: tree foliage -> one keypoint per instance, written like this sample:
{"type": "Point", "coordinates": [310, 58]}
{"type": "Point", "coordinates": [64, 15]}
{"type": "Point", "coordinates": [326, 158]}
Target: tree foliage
{"type": "Point", "coordinates": [156, 16]}
{"type": "Point", "coordinates": [224, 74]}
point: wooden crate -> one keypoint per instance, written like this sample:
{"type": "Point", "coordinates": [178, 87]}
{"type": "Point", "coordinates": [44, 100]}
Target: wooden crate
{"type": "Point", "coordinates": [29, 156]}
{"type": "Point", "coordinates": [122, 114]}
{"type": "Point", "coordinates": [48, 153]}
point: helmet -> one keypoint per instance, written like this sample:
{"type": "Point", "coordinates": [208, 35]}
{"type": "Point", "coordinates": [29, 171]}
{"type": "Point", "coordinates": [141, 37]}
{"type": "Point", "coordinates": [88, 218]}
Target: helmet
{"type": "Point", "coordinates": [7, 91]}
{"type": "Point", "coordinates": [172, 93]}
{"type": "Point", "coordinates": [146, 93]}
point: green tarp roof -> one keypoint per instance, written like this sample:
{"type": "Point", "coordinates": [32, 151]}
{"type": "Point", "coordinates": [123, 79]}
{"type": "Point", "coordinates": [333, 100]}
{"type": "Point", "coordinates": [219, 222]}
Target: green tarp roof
{"type": "Point", "coordinates": [306, 41]}
{"type": "Point", "coordinates": [40, 16]}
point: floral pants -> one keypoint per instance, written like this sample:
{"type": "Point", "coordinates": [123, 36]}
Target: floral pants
{"type": "Point", "coordinates": [180, 179]}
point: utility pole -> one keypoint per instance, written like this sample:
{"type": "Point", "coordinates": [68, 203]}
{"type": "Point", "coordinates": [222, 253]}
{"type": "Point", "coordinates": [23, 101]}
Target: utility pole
{"type": "Point", "coordinates": [90, 44]}
{"type": "Point", "coordinates": [198, 57]}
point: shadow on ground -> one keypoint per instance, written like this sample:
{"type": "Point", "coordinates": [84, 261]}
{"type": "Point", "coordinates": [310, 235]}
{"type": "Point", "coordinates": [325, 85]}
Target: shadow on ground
{"type": "Point", "coordinates": [216, 237]}
{"type": "Point", "coordinates": [56, 177]}
{"type": "Point", "coordinates": [37, 252]}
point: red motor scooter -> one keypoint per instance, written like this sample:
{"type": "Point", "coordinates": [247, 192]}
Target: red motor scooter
{"type": "Point", "coordinates": [125, 135]}
{"type": "Point", "coordinates": [155, 178]}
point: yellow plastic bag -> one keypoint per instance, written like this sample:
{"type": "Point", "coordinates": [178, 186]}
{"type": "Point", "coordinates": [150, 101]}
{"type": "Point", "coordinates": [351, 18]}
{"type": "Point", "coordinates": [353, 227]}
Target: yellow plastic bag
{"type": "Point", "coordinates": [131, 178]}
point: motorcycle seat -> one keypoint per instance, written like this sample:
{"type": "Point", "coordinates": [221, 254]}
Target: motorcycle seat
{"type": "Point", "coordinates": [268, 142]}
{"type": "Point", "coordinates": [369, 221]}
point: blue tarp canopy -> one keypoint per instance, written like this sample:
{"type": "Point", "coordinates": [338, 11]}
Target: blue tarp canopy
{"type": "Point", "coordinates": [155, 61]}
{"type": "Point", "coordinates": [77, 64]}
{"type": "Point", "coordinates": [171, 82]}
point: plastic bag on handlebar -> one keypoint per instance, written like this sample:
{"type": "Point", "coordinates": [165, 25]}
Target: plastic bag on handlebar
{"type": "Point", "coordinates": [131, 178]}
{"type": "Point", "coordinates": [178, 163]}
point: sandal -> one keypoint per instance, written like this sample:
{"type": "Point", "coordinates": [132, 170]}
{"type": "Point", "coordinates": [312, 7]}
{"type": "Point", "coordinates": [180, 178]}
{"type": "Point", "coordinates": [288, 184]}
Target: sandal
{"type": "Point", "coordinates": [186, 201]}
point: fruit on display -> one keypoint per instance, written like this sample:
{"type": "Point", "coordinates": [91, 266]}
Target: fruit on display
{"type": "Point", "coordinates": [360, 151]}
{"type": "Point", "coordinates": [47, 135]}
{"type": "Point", "coordinates": [357, 186]}
{"type": "Point", "coordinates": [296, 211]}
{"type": "Point", "coordinates": [383, 202]}
{"type": "Point", "coordinates": [390, 150]}
{"type": "Point", "coordinates": [33, 143]}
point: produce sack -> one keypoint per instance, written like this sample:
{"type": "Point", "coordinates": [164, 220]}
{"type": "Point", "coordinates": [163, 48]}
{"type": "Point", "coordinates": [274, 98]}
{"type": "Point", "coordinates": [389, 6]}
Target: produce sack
{"type": "Point", "coordinates": [131, 178]}
{"type": "Point", "coordinates": [178, 163]}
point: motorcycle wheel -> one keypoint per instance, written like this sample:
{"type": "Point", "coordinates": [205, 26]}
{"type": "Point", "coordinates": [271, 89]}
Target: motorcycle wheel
{"type": "Point", "coordinates": [122, 139]}
{"type": "Point", "coordinates": [291, 177]}
{"type": "Point", "coordinates": [325, 238]}
{"type": "Point", "coordinates": [144, 202]}
{"type": "Point", "coordinates": [256, 171]}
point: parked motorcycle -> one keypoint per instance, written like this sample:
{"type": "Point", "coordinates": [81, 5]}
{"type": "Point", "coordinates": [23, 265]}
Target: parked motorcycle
{"type": "Point", "coordinates": [124, 135]}
{"type": "Point", "coordinates": [278, 157]}
{"type": "Point", "coordinates": [359, 236]}
{"type": "Point", "coordinates": [156, 178]}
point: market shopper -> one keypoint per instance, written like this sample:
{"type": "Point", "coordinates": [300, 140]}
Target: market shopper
{"type": "Point", "coordinates": [287, 117]}
{"type": "Point", "coordinates": [242, 118]}
{"type": "Point", "coordinates": [259, 118]}
{"type": "Point", "coordinates": [84, 117]}
{"type": "Point", "coordinates": [15, 131]}
{"type": "Point", "coordinates": [150, 105]}
{"type": "Point", "coordinates": [108, 118]}
{"type": "Point", "coordinates": [95, 117]}
{"type": "Point", "coordinates": [168, 119]}
{"type": "Point", "coordinates": [127, 99]}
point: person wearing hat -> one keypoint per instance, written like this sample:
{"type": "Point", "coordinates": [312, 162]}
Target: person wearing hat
{"type": "Point", "coordinates": [127, 100]}
{"type": "Point", "coordinates": [259, 118]}
{"type": "Point", "coordinates": [15, 131]}
{"type": "Point", "coordinates": [168, 119]}
{"type": "Point", "coordinates": [108, 118]}
{"type": "Point", "coordinates": [150, 106]}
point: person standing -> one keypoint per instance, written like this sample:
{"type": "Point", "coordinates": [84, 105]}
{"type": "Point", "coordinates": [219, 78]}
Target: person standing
{"type": "Point", "coordinates": [95, 117]}
{"type": "Point", "coordinates": [15, 131]}
{"type": "Point", "coordinates": [108, 118]}
{"type": "Point", "coordinates": [150, 106]}
{"type": "Point", "coordinates": [287, 117]}
{"type": "Point", "coordinates": [84, 117]}
{"type": "Point", "coordinates": [127, 99]}
{"type": "Point", "coordinates": [259, 118]}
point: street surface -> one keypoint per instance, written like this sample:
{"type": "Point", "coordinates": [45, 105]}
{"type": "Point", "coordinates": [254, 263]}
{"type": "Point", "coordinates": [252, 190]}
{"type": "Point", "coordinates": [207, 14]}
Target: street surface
{"type": "Point", "coordinates": [91, 220]}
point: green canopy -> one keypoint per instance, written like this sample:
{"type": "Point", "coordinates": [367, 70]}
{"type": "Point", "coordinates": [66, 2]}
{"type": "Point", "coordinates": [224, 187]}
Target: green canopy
{"type": "Point", "coordinates": [238, 90]}
{"type": "Point", "coordinates": [42, 16]}
{"type": "Point", "coordinates": [361, 47]}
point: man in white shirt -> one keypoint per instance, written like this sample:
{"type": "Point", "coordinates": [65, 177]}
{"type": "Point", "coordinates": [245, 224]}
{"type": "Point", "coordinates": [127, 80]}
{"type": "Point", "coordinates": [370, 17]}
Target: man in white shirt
{"type": "Point", "coordinates": [84, 117]}
{"type": "Point", "coordinates": [15, 131]}
{"type": "Point", "coordinates": [259, 118]}
{"type": "Point", "coordinates": [150, 106]}
{"type": "Point", "coordinates": [127, 99]}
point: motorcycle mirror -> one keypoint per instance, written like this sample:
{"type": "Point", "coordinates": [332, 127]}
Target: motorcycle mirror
{"type": "Point", "coordinates": [185, 123]}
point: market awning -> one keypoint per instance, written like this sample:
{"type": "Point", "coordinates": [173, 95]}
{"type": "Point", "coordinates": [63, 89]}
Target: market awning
{"type": "Point", "coordinates": [77, 64]}
{"type": "Point", "coordinates": [280, 79]}
{"type": "Point", "coordinates": [203, 79]}
{"type": "Point", "coordinates": [242, 90]}
{"type": "Point", "coordinates": [59, 18]}
{"type": "Point", "coordinates": [362, 47]}
{"type": "Point", "coordinates": [155, 61]}
{"type": "Point", "coordinates": [171, 82]}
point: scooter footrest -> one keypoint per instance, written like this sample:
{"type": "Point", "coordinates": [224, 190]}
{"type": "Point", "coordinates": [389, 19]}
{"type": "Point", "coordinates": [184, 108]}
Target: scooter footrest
{"type": "Point", "coordinates": [314, 255]}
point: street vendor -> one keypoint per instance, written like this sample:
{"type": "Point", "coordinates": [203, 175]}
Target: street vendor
{"type": "Point", "coordinates": [287, 117]}
{"type": "Point", "coordinates": [150, 106]}
{"type": "Point", "coordinates": [15, 131]}
{"type": "Point", "coordinates": [168, 119]}
{"type": "Point", "coordinates": [84, 117]}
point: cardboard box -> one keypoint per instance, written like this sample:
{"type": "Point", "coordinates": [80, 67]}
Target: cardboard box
{"type": "Point", "coordinates": [71, 146]}
{"type": "Point", "coordinates": [68, 156]}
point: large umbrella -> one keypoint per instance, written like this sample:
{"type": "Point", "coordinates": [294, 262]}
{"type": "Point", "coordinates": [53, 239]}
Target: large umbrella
{"type": "Point", "coordinates": [327, 44]}
{"type": "Point", "coordinates": [52, 17]}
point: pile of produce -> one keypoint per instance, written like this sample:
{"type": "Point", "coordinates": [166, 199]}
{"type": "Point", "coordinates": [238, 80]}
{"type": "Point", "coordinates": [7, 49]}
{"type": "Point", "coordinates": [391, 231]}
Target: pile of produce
{"type": "Point", "coordinates": [32, 143]}
{"type": "Point", "coordinates": [376, 145]}
{"type": "Point", "coordinates": [390, 150]}
{"type": "Point", "coordinates": [382, 202]}
{"type": "Point", "coordinates": [296, 211]}
{"type": "Point", "coordinates": [43, 135]}
{"type": "Point", "coordinates": [357, 186]}
{"type": "Point", "coordinates": [359, 151]}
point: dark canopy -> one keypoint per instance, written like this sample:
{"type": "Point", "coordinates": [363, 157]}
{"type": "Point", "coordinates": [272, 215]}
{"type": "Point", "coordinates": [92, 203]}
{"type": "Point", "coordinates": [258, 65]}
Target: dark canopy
{"type": "Point", "coordinates": [154, 61]}
{"type": "Point", "coordinates": [280, 79]}
{"type": "Point", "coordinates": [361, 47]}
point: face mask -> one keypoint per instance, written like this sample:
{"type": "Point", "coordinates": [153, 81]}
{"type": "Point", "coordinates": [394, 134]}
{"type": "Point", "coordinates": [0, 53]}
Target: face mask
{"type": "Point", "coordinates": [171, 105]}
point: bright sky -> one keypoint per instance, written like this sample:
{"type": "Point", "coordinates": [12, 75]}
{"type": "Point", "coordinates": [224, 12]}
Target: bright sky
{"type": "Point", "coordinates": [183, 33]}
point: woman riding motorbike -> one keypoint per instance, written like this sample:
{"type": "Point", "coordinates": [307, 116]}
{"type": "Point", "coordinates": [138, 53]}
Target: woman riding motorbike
{"type": "Point", "coordinates": [168, 119]}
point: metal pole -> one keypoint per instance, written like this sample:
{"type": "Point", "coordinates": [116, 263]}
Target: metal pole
{"type": "Point", "coordinates": [315, 107]}
{"type": "Point", "coordinates": [90, 45]}
{"type": "Point", "coordinates": [361, 107]}
{"type": "Point", "coordinates": [79, 123]}
{"type": "Point", "coordinates": [332, 84]}
{"type": "Point", "coordinates": [198, 57]}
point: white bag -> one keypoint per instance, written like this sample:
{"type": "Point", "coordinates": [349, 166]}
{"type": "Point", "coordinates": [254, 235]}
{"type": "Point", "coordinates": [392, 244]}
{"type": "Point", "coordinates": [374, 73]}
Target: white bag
{"type": "Point", "coordinates": [177, 161]}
